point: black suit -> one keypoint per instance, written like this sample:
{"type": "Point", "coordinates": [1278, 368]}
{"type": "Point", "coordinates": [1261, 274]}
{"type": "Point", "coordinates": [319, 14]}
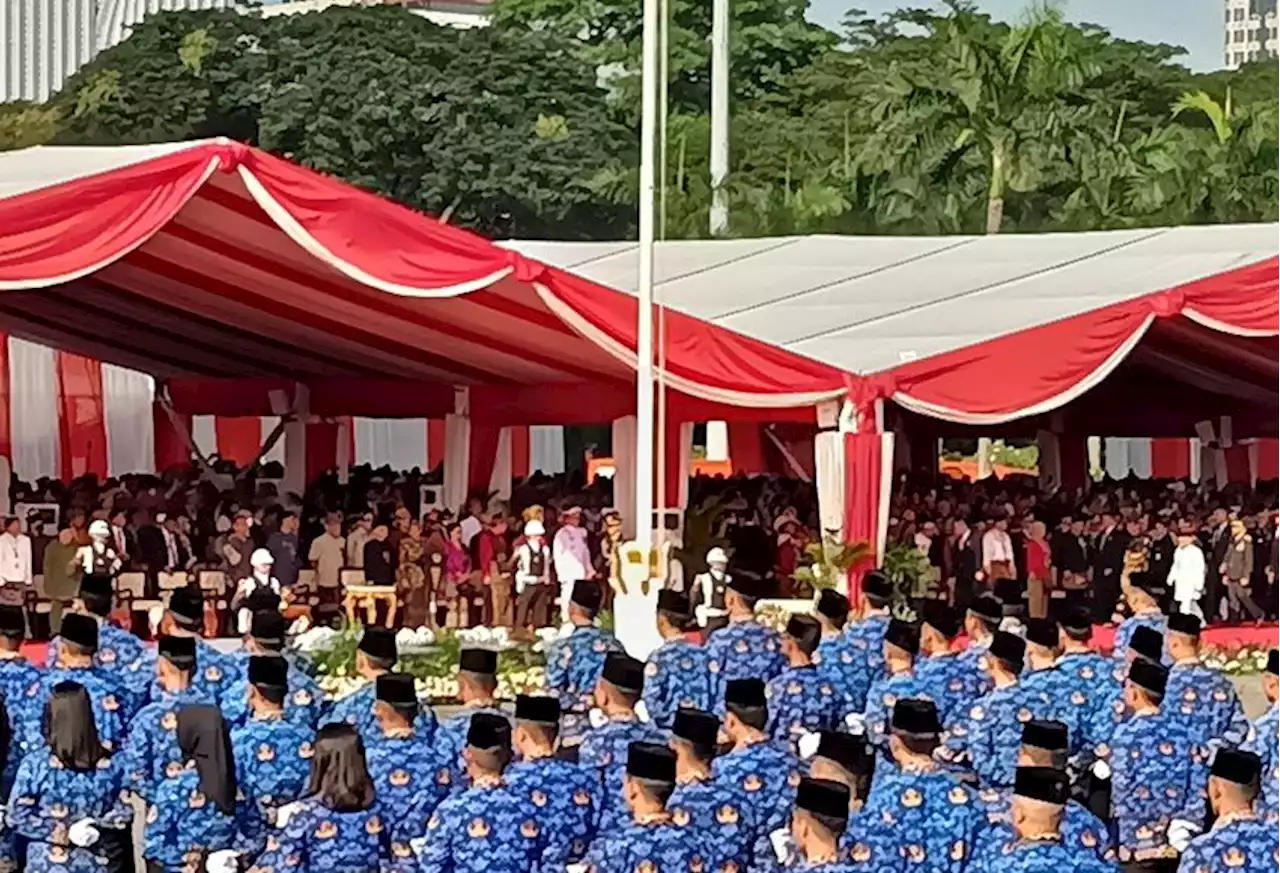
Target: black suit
{"type": "Point", "coordinates": [1108, 564]}
{"type": "Point", "coordinates": [1215, 554]}
{"type": "Point", "coordinates": [964, 565]}
{"type": "Point", "coordinates": [151, 550]}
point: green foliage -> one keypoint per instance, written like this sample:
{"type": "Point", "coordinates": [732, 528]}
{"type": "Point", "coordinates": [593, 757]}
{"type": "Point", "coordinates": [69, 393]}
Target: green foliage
{"type": "Point", "coordinates": [906, 568]}
{"type": "Point", "coordinates": [23, 125]}
{"type": "Point", "coordinates": [701, 535]}
{"type": "Point", "coordinates": [826, 562]}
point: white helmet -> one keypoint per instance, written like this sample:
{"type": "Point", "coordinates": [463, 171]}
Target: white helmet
{"type": "Point", "coordinates": [534, 528]}
{"type": "Point", "coordinates": [717, 556]}
{"type": "Point", "coordinates": [261, 558]}
{"type": "Point", "coordinates": [99, 529]}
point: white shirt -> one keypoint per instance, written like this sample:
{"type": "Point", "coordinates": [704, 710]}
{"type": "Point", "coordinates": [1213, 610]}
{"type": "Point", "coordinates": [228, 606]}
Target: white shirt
{"type": "Point", "coordinates": [1186, 576]}
{"type": "Point", "coordinates": [572, 557]}
{"type": "Point", "coordinates": [15, 558]}
{"type": "Point", "coordinates": [996, 546]}
{"type": "Point", "coordinates": [470, 526]}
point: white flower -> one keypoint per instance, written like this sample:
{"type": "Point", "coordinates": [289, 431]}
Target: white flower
{"type": "Point", "coordinates": [315, 640]}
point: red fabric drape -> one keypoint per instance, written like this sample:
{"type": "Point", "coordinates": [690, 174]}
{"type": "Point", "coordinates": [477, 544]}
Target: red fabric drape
{"type": "Point", "coordinates": [1268, 459]}
{"type": "Point", "coordinates": [83, 434]}
{"type": "Point", "coordinates": [864, 471]}
{"type": "Point", "coordinates": [1074, 460]}
{"type": "Point", "coordinates": [435, 442]}
{"type": "Point", "coordinates": [746, 447]}
{"type": "Point", "coordinates": [6, 435]}
{"type": "Point", "coordinates": [520, 451]}
{"type": "Point", "coordinates": [322, 447]}
{"type": "Point", "coordinates": [1238, 464]}
{"type": "Point", "coordinates": [239, 438]}
{"type": "Point", "coordinates": [171, 448]}
{"type": "Point", "coordinates": [1170, 458]}
{"type": "Point", "coordinates": [483, 455]}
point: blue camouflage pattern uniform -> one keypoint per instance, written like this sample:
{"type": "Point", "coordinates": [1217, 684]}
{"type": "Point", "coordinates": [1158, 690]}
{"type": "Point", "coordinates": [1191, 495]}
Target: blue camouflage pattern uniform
{"type": "Point", "coordinates": [304, 703]}
{"type": "Point", "coordinates": [1154, 619]}
{"type": "Point", "coordinates": [273, 764]}
{"type": "Point", "coordinates": [1157, 774]}
{"type": "Point", "coordinates": [1247, 845]}
{"type": "Point", "coordinates": [764, 776]}
{"type": "Point", "coordinates": [48, 798]}
{"type": "Point", "coordinates": [574, 665]}
{"type": "Point", "coordinates": [883, 695]}
{"type": "Point", "coordinates": [846, 665]}
{"type": "Point", "coordinates": [408, 772]}
{"type": "Point", "coordinates": [450, 737]}
{"type": "Point", "coordinates": [109, 698]}
{"type": "Point", "coordinates": [605, 749]}
{"type": "Point", "coordinates": [1036, 856]}
{"type": "Point", "coordinates": [802, 699]}
{"type": "Point", "coordinates": [951, 682]}
{"type": "Point", "coordinates": [660, 846]}
{"type": "Point", "coordinates": [990, 737]}
{"type": "Point", "coordinates": [677, 674]}
{"type": "Point", "coordinates": [721, 822]}
{"type": "Point", "coordinates": [152, 746]}
{"type": "Point", "coordinates": [356, 709]}
{"type": "Point", "coordinates": [317, 839]}
{"type": "Point", "coordinates": [929, 817]}
{"type": "Point", "coordinates": [213, 669]}
{"type": "Point", "coordinates": [565, 799]}
{"type": "Point", "coordinates": [742, 650]}
{"type": "Point", "coordinates": [183, 823]}
{"type": "Point", "coordinates": [1208, 700]}
{"type": "Point", "coordinates": [1264, 741]}
{"type": "Point", "coordinates": [484, 829]}
{"type": "Point", "coordinates": [866, 636]}
{"type": "Point", "coordinates": [1081, 831]}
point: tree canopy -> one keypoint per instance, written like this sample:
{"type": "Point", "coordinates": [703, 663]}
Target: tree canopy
{"type": "Point", "coordinates": [916, 122]}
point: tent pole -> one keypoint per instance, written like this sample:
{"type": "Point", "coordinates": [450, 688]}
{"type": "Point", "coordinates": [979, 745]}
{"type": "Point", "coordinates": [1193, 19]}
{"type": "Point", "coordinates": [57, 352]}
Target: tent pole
{"type": "Point", "coordinates": [719, 118]}
{"type": "Point", "coordinates": [644, 285]}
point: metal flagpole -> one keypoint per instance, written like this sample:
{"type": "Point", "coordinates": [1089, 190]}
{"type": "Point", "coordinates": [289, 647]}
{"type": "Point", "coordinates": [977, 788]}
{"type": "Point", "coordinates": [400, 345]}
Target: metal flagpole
{"type": "Point", "coordinates": [719, 117]}
{"type": "Point", "coordinates": [644, 284]}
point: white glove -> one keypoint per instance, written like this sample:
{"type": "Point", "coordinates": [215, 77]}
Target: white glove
{"type": "Point", "coordinates": [418, 845]}
{"type": "Point", "coordinates": [781, 840]}
{"type": "Point", "coordinates": [1102, 770]}
{"type": "Point", "coordinates": [808, 744]}
{"type": "Point", "coordinates": [284, 813]}
{"type": "Point", "coordinates": [1180, 833]}
{"type": "Point", "coordinates": [576, 867]}
{"type": "Point", "coordinates": [83, 833]}
{"type": "Point", "coordinates": [642, 711]}
{"type": "Point", "coordinates": [856, 722]}
{"type": "Point", "coordinates": [224, 861]}
{"type": "Point", "coordinates": [596, 718]}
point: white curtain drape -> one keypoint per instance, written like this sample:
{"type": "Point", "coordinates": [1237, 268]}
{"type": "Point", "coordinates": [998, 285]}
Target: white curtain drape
{"type": "Point", "coordinates": [717, 441]}
{"type": "Point", "coordinates": [204, 433]}
{"type": "Point", "coordinates": [1115, 457]}
{"type": "Point", "coordinates": [34, 420]}
{"type": "Point", "coordinates": [457, 460]}
{"type": "Point", "coordinates": [500, 478]}
{"type": "Point", "coordinates": [126, 405]}
{"type": "Point", "coordinates": [1140, 457]}
{"type": "Point", "coordinates": [828, 470]}
{"type": "Point", "coordinates": [400, 443]}
{"type": "Point", "coordinates": [546, 449]}
{"type": "Point", "coordinates": [269, 423]}
{"type": "Point", "coordinates": [624, 476]}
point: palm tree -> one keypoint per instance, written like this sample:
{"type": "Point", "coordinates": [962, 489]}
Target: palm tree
{"type": "Point", "coordinates": [1236, 174]}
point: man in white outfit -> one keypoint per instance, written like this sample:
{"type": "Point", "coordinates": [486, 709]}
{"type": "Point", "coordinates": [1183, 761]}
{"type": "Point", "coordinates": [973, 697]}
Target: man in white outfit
{"type": "Point", "coordinates": [571, 556]}
{"type": "Point", "coordinates": [1187, 575]}
{"type": "Point", "coordinates": [15, 563]}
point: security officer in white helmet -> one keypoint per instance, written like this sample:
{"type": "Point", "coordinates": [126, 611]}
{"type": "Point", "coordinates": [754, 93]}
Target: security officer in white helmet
{"type": "Point", "coordinates": [707, 596]}
{"type": "Point", "coordinates": [261, 563]}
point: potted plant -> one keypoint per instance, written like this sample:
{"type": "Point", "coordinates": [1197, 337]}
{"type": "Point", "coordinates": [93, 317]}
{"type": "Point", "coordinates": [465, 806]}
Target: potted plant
{"type": "Point", "coordinates": [908, 571]}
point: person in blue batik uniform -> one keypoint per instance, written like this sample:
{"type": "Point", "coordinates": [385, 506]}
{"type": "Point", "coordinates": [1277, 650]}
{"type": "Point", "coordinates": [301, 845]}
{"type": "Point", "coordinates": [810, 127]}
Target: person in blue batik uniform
{"type": "Point", "coordinates": [151, 752]}
{"type": "Point", "coordinates": [918, 808]}
{"type": "Point", "coordinates": [1158, 775]}
{"type": "Point", "coordinates": [491, 826]}
{"type": "Point", "coordinates": [1142, 593]}
{"type": "Point", "coordinates": [79, 634]}
{"type": "Point", "coordinates": [764, 774]}
{"type": "Point", "coordinates": [1044, 744]}
{"type": "Point", "coordinates": [678, 672]}
{"type": "Point", "coordinates": [407, 770]}
{"type": "Point", "coordinates": [574, 662]}
{"type": "Point", "coordinates": [1204, 696]}
{"type": "Point", "coordinates": [1264, 741]}
{"type": "Point", "coordinates": [16, 675]}
{"type": "Point", "coordinates": [866, 633]}
{"type": "Point", "coordinates": [1146, 644]}
{"type": "Point", "coordinates": [565, 797]}
{"type": "Point", "coordinates": [1089, 680]}
{"type": "Point", "coordinates": [338, 826]}
{"type": "Point", "coordinates": [1035, 841]}
{"type": "Point", "coordinates": [605, 747]}
{"type": "Point", "coordinates": [66, 798]}
{"type": "Point", "coordinates": [819, 831]}
{"type": "Point", "coordinates": [744, 647]}
{"type": "Point", "coordinates": [900, 645]}
{"type": "Point", "coordinates": [721, 822]}
{"type": "Point", "coordinates": [193, 814]}
{"type": "Point", "coordinates": [184, 617]}
{"type": "Point", "coordinates": [1238, 840]}
{"type": "Point", "coordinates": [802, 699]}
{"type": "Point", "coordinates": [273, 755]}
{"type": "Point", "coordinates": [981, 621]}
{"type": "Point", "coordinates": [477, 684]}
{"type": "Point", "coordinates": [117, 647]}
{"type": "Point", "coordinates": [650, 840]}
{"type": "Point", "coordinates": [305, 704]}
{"type": "Point", "coordinates": [1047, 687]}
{"type": "Point", "coordinates": [836, 655]}
{"type": "Point", "coordinates": [945, 679]}
{"type": "Point", "coordinates": [376, 654]}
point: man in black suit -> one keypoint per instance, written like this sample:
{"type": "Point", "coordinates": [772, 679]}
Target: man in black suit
{"type": "Point", "coordinates": [1108, 563]}
{"type": "Point", "coordinates": [148, 550]}
{"type": "Point", "coordinates": [1069, 552]}
{"type": "Point", "coordinates": [964, 565]}
{"type": "Point", "coordinates": [1216, 543]}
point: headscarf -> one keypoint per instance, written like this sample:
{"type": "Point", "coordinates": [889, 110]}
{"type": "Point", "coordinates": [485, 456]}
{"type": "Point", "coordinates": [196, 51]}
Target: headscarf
{"type": "Point", "coordinates": [205, 740]}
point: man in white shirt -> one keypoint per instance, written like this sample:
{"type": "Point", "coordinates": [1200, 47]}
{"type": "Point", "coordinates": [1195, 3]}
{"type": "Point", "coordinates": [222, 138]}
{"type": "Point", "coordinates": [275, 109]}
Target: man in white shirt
{"type": "Point", "coordinates": [572, 556]}
{"type": "Point", "coordinates": [471, 523]}
{"type": "Point", "coordinates": [15, 563]}
{"type": "Point", "coordinates": [997, 552]}
{"type": "Point", "coordinates": [1187, 575]}
{"type": "Point", "coordinates": [356, 540]}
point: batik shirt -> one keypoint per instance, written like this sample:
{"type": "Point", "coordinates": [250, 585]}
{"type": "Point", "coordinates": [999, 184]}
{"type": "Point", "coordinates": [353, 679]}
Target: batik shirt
{"type": "Point", "coordinates": [1054, 691]}
{"type": "Point", "coordinates": [1263, 742]}
{"type": "Point", "coordinates": [989, 739]}
{"type": "Point", "coordinates": [1157, 775]}
{"type": "Point", "coordinates": [273, 765]}
{"type": "Point", "coordinates": [720, 820]}
{"type": "Point", "coordinates": [17, 675]}
{"type": "Point", "coordinates": [574, 665]}
{"type": "Point", "coordinates": [846, 666]}
{"type": "Point", "coordinates": [1207, 699]}
{"type": "Point", "coordinates": [317, 839]}
{"type": "Point", "coordinates": [48, 798]}
{"type": "Point", "coordinates": [183, 825]}
{"type": "Point", "coordinates": [1247, 845]}
{"type": "Point", "coordinates": [357, 709]}
{"type": "Point", "coordinates": [1154, 619]}
{"type": "Point", "coordinates": [928, 816]}
{"type": "Point", "coordinates": [950, 682]}
{"type": "Point", "coordinates": [407, 772]}
{"type": "Point", "coordinates": [605, 748]}
{"type": "Point", "coordinates": [1089, 686]}
{"type": "Point", "coordinates": [211, 674]}
{"type": "Point", "coordinates": [118, 649]}
{"type": "Point", "coordinates": [152, 747]}
{"type": "Point", "coordinates": [451, 737]}
{"type": "Point", "coordinates": [881, 698]}
{"type": "Point", "coordinates": [660, 846]}
{"type": "Point", "coordinates": [108, 697]}
{"type": "Point", "coordinates": [802, 699]}
{"type": "Point", "coordinates": [742, 650]}
{"type": "Point", "coordinates": [1038, 856]}
{"type": "Point", "coordinates": [1081, 830]}
{"type": "Point", "coordinates": [565, 799]}
{"type": "Point", "coordinates": [867, 639]}
{"type": "Point", "coordinates": [484, 829]}
{"type": "Point", "coordinates": [677, 674]}
{"type": "Point", "coordinates": [304, 703]}
{"type": "Point", "coordinates": [764, 777]}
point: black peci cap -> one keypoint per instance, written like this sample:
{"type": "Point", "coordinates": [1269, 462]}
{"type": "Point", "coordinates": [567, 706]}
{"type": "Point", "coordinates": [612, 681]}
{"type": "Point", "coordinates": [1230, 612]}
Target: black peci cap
{"type": "Point", "coordinates": [1149, 675]}
{"type": "Point", "coordinates": [97, 585]}
{"type": "Point", "coordinates": [651, 761]}
{"type": "Point", "coordinates": [903, 634]}
{"type": "Point", "coordinates": [805, 630]}
{"type": "Point", "coordinates": [1009, 593]}
{"type": "Point", "coordinates": [396, 689]}
{"type": "Point", "coordinates": [1273, 662]}
{"type": "Point", "coordinates": [623, 671]}
{"type": "Point", "coordinates": [823, 797]}
{"type": "Point", "coordinates": [176, 648]}
{"type": "Point", "coordinates": [1148, 582]}
{"type": "Point", "coordinates": [13, 621]}
{"type": "Point", "coordinates": [267, 625]}
{"type": "Point", "coordinates": [186, 605]}
{"type": "Point", "coordinates": [269, 671]}
{"type": "Point", "coordinates": [489, 730]}
{"type": "Point", "coordinates": [942, 618]}
{"type": "Point", "coordinates": [538, 708]}
{"type": "Point", "coordinates": [482, 661]}
{"type": "Point", "coordinates": [1042, 632]}
{"type": "Point", "coordinates": [745, 692]}
{"type": "Point", "coordinates": [698, 727]}
{"type": "Point", "coordinates": [916, 716]}
{"type": "Point", "coordinates": [378, 642]}
{"type": "Point", "coordinates": [1076, 619]}
{"type": "Point", "coordinates": [1147, 642]}
{"type": "Point", "coordinates": [750, 584]}
{"type": "Point", "coordinates": [1044, 734]}
{"type": "Point", "coordinates": [847, 750]}
{"type": "Point", "coordinates": [588, 595]}
{"type": "Point", "coordinates": [1180, 623]}
{"type": "Point", "coordinates": [80, 629]}
{"type": "Point", "coordinates": [987, 607]}
{"type": "Point", "coordinates": [1045, 784]}
{"type": "Point", "coordinates": [833, 605]}
{"type": "Point", "coordinates": [1236, 765]}
{"type": "Point", "coordinates": [876, 584]}
{"type": "Point", "coordinates": [1008, 647]}
{"type": "Point", "coordinates": [673, 602]}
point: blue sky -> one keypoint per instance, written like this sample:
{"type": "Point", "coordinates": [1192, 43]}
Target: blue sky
{"type": "Point", "coordinates": [1196, 25]}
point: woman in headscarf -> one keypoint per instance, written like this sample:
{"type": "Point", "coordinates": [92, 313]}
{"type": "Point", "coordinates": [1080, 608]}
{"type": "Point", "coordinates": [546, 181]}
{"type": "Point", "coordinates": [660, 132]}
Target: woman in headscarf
{"type": "Point", "coordinates": [411, 577]}
{"type": "Point", "coordinates": [66, 798]}
{"type": "Point", "coordinates": [193, 814]}
{"type": "Point", "coordinates": [337, 825]}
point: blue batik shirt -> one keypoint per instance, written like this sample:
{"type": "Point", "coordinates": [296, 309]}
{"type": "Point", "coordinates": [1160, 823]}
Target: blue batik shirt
{"type": "Point", "coordinates": [881, 698]}
{"type": "Point", "coordinates": [1034, 856]}
{"type": "Point", "coordinates": [1243, 844]}
{"type": "Point", "coordinates": [273, 764]}
{"type": "Point", "coordinates": [408, 772]}
{"type": "Point", "coordinates": [742, 650]}
{"type": "Point", "coordinates": [950, 681]}
{"type": "Point", "coordinates": [720, 819]}
{"type": "Point", "coordinates": [764, 775]}
{"type": "Point", "coordinates": [1154, 619]}
{"type": "Point", "coordinates": [1089, 686]}
{"type": "Point", "coordinates": [117, 647]}
{"type": "Point", "coordinates": [930, 817]}
{"type": "Point", "coordinates": [304, 703]}
{"type": "Point", "coordinates": [212, 673]}
{"type": "Point", "coordinates": [109, 705]}
{"type": "Point", "coordinates": [574, 665]}
{"type": "Point", "coordinates": [451, 736]}
{"type": "Point", "coordinates": [1081, 831]}
{"type": "Point", "coordinates": [677, 674]}
{"type": "Point", "coordinates": [565, 799]}
{"type": "Point", "coordinates": [1207, 699]}
{"type": "Point", "coordinates": [990, 737]}
{"type": "Point", "coordinates": [658, 846]}
{"type": "Point", "coordinates": [605, 748]}
{"type": "Point", "coordinates": [357, 709]}
{"type": "Point", "coordinates": [151, 751]}
{"type": "Point", "coordinates": [317, 839]}
{"type": "Point", "coordinates": [802, 700]}
{"type": "Point", "coordinates": [488, 828]}
{"type": "Point", "coordinates": [1264, 740]}
{"type": "Point", "coordinates": [847, 666]}
{"type": "Point", "coordinates": [866, 636]}
{"type": "Point", "coordinates": [183, 824]}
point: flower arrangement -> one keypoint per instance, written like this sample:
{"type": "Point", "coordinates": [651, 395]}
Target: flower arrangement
{"type": "Point", "coordinates": [1235, 660]}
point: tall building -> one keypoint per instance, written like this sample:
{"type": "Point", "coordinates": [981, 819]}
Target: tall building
{"type": "Point", "coordinates": [1250, 32]}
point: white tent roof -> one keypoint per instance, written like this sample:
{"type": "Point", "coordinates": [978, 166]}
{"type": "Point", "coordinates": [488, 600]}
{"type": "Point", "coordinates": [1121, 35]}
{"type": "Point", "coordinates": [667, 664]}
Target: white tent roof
{"type": "Point", "coordinates": [866, 304]}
